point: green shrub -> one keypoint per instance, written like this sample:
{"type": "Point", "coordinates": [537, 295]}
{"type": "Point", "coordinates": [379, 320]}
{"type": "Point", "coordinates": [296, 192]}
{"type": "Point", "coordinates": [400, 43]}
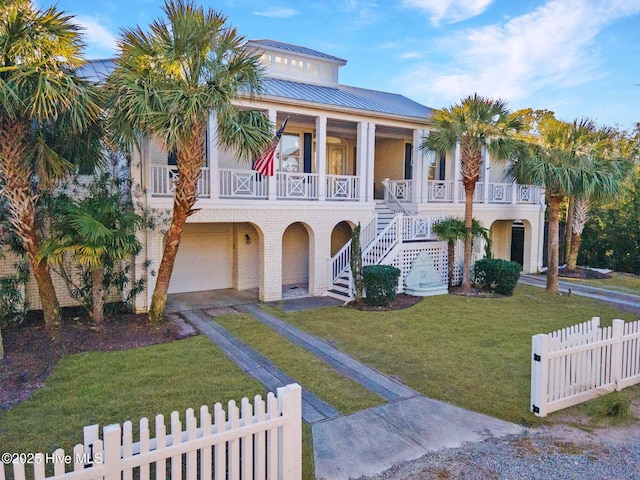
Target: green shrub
{"type": "Point", "coordinates": [497, 275]}
{"type": "Point", "coordinates": [380, 283]}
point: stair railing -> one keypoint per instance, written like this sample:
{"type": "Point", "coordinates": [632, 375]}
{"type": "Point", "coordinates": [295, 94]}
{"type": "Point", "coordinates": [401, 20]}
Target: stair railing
{"type": "Point", "coordinates": [340, 262]}
{"type": "Point", "coordinates": [384, 242]}
{"type": "Point", "coordinates": [389, 193]}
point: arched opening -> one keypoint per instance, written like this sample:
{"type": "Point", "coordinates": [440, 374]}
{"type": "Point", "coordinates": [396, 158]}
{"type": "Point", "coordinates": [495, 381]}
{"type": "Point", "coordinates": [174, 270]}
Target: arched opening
{"type": "Point", "coordinates": [295, 261]}
{"type": "Point", "coordinates": [340, 235]}
{"type": "Point", "coordinates": [517, 242]}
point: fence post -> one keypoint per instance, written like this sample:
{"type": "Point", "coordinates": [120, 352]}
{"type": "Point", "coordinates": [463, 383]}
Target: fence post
{"type": "Point", "coordinates": [616, 353]}
{"type": "Point", "coordinates": [111, 460]}
{"type": "Point", "coordinates": [291, 454]}
{"type": "Point", "coordinates": [539, 374]}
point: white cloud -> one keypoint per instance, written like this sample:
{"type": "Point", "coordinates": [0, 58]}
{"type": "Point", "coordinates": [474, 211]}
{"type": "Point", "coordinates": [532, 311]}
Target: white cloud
{"type": "Point", "coordinates": [277, 12]}
{"type": "Point", "coordinates": [411, 55]}
{"type": "Point", "coordinates": [100, 40]}
{"type": "Point", "coordinates": [553, 46]}
{"type": "Point", "coordinates": [449, 11]}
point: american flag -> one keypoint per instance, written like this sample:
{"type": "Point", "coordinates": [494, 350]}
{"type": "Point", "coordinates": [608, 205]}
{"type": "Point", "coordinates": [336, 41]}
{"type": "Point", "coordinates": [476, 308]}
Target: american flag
{"type": "Point", "coordinates": [265, 164]}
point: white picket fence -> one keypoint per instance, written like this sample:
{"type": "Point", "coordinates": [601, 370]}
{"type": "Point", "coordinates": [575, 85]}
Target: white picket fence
{"type": "Point", "coordinates": [259, 441]}
{"type": "Point", "coordinates": [578, 363]}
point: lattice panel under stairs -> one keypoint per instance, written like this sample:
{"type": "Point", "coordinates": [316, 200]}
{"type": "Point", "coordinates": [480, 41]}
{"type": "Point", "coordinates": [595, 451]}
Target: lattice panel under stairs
{"type": "Point", "coordinates": [436, 250]}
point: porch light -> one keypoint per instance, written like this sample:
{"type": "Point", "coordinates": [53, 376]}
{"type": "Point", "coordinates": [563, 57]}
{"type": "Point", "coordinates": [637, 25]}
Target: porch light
{"type": "Point", "coordinates": [247, 239]}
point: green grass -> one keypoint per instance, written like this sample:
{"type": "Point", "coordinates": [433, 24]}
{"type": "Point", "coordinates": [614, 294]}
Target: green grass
{"type": "Point", "coordinates": [619, 282]}
{"type": "Point", "coordinates": [471, 352]}
{"type": "Point", "coordinates": [316, 375]}
{"type": "Point", "coordinates": [112, 387]}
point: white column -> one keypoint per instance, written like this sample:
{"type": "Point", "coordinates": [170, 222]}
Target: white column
{"type": "Point", "coordinates": [213, 160]}
{"type": "Point", "coordinates": [456, 174]}
{"type": "Point", "coordinates": [486, 165]}
{"type": "Point", "coordinates": [272, 181]}
{"type": "Point", "coordinates": [371, 156]}
{"type": "Point", "coordinates": [321, 156]}
{"type": "Point", "coordinates": [418, 169]}
{"type": "Point", "coordinates": [361, 160]}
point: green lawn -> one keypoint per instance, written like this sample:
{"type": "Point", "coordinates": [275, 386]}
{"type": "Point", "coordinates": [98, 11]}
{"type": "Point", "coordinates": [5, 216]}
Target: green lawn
{"type": "Point", "coordinates": [620, 282]}
{"type": "Point", "coordinates": [472, 352]}
{"type": "Point", "coordinates": [316, 375]}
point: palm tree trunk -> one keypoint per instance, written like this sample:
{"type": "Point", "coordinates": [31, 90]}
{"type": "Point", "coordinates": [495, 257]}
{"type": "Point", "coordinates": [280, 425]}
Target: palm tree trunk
{"type": "Point", "coordinates": [451, 258]}
{"type": "Point", "coordinates": [580, 213]}
{"type": "Point", "coordinates": [15, 171]}
{"type": "Point", "coordinates": [190, 160]}
{"type": "Point", "coordinates": [553, 242]}
{"type": "Point", "coordinates": [469, 189]}
{"type": "Point", "coordinates": [568, 230]}
{"type": "Point", "coordinates": [97, 292]}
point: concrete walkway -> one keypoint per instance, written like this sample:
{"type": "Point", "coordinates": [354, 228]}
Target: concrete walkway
{"type": "Point", "coordinates": [370, 441]}
{"type": "Point", "coordinates": [624, 301]}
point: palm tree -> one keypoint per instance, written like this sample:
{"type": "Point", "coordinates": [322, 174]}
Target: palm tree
{"type": "Point", "coordinates": [452, 229]}
{"type": "Point", "coordinates": [166, 83]}
{"type": "Point", "coordinates": [39, 92]}
{"type": "Point", "coordinates": [613, 152]}
{"type": "Point", "coordinates": [474, 123]}
{"type": "Point", "coordinates": [97, 231]}
{"type": "Point", "coordinates": [565, 160]}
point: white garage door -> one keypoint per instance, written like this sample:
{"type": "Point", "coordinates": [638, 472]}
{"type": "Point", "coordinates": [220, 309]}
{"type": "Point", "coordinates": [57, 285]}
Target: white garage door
{"type": "Point", "coordinates": [204, 260]}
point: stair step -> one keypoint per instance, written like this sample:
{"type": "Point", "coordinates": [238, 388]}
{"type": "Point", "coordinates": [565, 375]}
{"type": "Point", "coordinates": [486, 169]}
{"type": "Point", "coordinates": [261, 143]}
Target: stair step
{"type": "Point", "coordinates": [338, 296]}
{"type": "Point", "coordinates": [340, 289]}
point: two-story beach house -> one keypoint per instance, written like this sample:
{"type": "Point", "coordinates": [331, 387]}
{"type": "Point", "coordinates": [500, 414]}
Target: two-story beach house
{"type": "Point", "coordinates": [348, 155]}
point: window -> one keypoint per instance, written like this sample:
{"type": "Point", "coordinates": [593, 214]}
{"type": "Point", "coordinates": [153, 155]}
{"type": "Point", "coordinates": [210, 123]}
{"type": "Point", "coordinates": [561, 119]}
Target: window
{"type": "Point", "coordinates": [297, 66]}
{"type": "Point", "coordinates": [313, 69]}
{"type": "Point", "coordinates": [290, 153]}
{"type": "Point", "coordinates": [265, 60]}
{"type": "Point", "coordinates": [281, 63]}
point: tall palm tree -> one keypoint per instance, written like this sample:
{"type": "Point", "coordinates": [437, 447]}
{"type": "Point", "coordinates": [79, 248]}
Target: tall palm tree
{"type": "Point", "coordinates": [166, 82]}
{"type": "Point", "coordinates": [613, 152]}
{"type": "Point", "coordinates": [565, 160]}
{"type": "Point", "coordinates": [474, 123]}
{"type": "Point", "coordinates": [39, 92]}
{"type": "Point", "coordinates": [452, 229]}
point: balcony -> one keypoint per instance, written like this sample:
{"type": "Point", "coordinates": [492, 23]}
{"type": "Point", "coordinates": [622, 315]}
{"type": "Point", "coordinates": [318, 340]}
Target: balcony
{"type": "Point", "coordinates": [247, 184]}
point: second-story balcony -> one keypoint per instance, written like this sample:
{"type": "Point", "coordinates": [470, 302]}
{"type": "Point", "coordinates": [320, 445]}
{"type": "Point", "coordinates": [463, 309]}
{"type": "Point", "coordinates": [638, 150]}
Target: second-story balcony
{"type": "Point", "coordinates": [247, 184]}
{"type": "Point", "coordinates": [443, 191]}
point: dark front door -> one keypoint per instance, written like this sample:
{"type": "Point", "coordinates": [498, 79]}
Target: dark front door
{"type": "Point", "coordinates": [517, 243]}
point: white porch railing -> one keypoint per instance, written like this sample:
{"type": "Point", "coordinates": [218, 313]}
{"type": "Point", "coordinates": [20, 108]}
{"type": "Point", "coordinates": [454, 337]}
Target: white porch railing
{"type": "Point", "coordinates": [263, 440]}
{"type": "Point", "coordinates": [242, 184]}
{"type": "Point", "coordinates": [478, 193]}
{"type": "Point", "coordinates": [500, 192]}
{"type": "Point", "coordinates": [439, 191]}
{"type": "Point", "coordinates": [164, 177]}
{"type": "Point", "coordinates": [298, 186]}
{"type": "Point", "coordinates": [528, 194]}
{"type": "Point", "coordinates": [343, 187]}
{"type": "Point", "coordinates": [580, 362]}
{"type": "Point", "coordinates": [400, 189]}
{"type": "Point", "coordinates": [416, 228]}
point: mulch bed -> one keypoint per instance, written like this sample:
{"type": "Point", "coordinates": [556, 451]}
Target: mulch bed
{"type": "Point", "coordinates": [31, 354]}
{"type": "Point", "coordinates": [402, 301]}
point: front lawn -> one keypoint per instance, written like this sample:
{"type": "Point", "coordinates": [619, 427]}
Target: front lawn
{"type": "Point", "coordinates": [471, 352]}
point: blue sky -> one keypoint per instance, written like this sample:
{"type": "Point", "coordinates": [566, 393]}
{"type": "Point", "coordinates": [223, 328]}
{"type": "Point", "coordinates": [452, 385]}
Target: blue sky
{"type": "Point", "coordinates": [575, 57]}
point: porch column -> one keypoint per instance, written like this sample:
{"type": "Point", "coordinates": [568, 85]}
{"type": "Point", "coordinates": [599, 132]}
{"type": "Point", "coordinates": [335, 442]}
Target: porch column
{"type": "Point", "coordinates": [361, 161]}
{"type": "Point", "coordinates": [486, 165]}
{"type": "Point", "coordinates": [272, 181]}
{"type": "Point", "coordinates": [270, 263]}
{"type": "Point", "coordinates": [212, 147]}
{"type": "Point", "coordinates": [319, 258]}
{"type": "Point", "coordinates": [418, 168]}
{"type": "Point", "coordinates": [456, 174]}
{"type": "Point", "coordinates": [371, 158]}
{"type": "Point", "coordinates": [321, 156]}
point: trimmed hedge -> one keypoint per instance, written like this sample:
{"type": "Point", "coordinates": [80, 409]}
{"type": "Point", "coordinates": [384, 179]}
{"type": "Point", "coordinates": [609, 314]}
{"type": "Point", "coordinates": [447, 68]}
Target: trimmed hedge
{"type": "Point", "coordinates": [381, 284]}
{"type": "Point", "coordinates": [497, 275]}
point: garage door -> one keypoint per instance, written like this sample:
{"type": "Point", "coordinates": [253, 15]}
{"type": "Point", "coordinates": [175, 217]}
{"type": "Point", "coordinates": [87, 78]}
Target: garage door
{"type": "Point", "coordinates": [204, 260]}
